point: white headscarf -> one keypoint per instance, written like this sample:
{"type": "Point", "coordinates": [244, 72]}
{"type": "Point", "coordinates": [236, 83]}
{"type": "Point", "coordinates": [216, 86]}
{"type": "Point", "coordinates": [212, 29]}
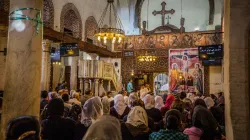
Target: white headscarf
{"type": "Point", "coordinates": [209, 102]}
{"type": "Point", "coordinates": [106, 105]}
{"type": "Point", "coordinates": [126, 99]}
{"type": "Point", "coordinates": [149, 101]}
{"type": "Point", "coordinates": [159, 102]}
{"type": "Point", "coordinates": [107, 128]}
{"type": "Point", "coordinates": [137, 116]}
{"type": "Point", "coordinates": [91, 111]}
{"type": "Point", "coordinates": [120, 105]}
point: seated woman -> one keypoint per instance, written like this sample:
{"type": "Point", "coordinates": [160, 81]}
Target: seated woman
{"type": "Point", "coordinates": [173, 121]}
{"type": "Point", "coordinates": [159, 102]}
{"type": "Point", "coordinates": [91, 111]}
{"type": "Point", "coordinates": [119, 110]}
{"type": "Point", "coordinates": [136, 126]}
{"type": "Point", "coordinates": [23, 128]}
{"type": "Point", "coordinates": [107, 128]}
{"type": "Point", "coordinates": [152, 112]}
{"type": "Point", "coordinates": [55, 126]}
{"type": "Point", "coordinates": [169, 101]}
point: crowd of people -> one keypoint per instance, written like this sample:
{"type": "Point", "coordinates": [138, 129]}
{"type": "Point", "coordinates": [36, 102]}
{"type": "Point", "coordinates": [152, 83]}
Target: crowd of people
{"type": "Point", "coordinates": [139, 115]}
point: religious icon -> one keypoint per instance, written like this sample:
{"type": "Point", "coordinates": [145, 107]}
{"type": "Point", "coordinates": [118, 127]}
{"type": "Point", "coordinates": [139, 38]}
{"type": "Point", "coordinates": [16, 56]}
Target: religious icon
{"type": "Point", "coordinates": [129, 45]}
{"type": "Point", "coordinates": [140, 42]}
{"type": "Point", "coordinates": [174, 41]}
{"type": "Point", "coordinates": [151, 42]}
{"type": "Point", "coordinates": [174, 77]}
{"type": "Point", "coordinates": [199, 40]}
{"type": "Point", "coordinates": [198, 78]}
{"type": "Point", "coordinates": [187, 40]}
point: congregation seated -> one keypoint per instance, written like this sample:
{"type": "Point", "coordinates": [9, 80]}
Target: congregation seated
{"type": "Point", "coordinates": [91, 112]}
{"type": "Point", "coordinates": [56, 126]}
{"type": "Point", "coordinates": [136, 126]}
{"type": "Point", "coordinates": [120, 109]}
{"type": "Point", "coordinates": [66, 103]}
{"type": "Point", "coordinates": [23, 128]}
{"type": "Point", "coordinates": [107, 128]}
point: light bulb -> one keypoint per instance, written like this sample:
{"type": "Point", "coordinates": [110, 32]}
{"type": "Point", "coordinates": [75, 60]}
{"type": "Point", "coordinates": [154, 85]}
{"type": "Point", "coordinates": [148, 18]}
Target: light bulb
{"type": "Point", "coordinates": [99, 38]}
{"type": "Point", "coordinates": [59, 63]}
{"type": "Point", "coordinates": [105, 38]}
{"type": "Point", "coordinates": [104, 41]}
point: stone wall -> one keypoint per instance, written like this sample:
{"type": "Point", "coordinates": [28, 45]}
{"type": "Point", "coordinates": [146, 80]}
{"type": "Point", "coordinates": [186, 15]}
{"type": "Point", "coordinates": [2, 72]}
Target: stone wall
{"type": "Point", "coordinates": [236, 68]}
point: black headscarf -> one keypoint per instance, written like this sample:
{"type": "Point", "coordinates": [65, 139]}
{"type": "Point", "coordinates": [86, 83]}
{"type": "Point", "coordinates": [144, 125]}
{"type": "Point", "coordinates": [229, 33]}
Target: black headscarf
{"type": "Point", "coordinates": [56, 107]}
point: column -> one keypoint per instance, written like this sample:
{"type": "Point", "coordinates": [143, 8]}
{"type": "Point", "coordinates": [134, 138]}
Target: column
{"type": "Point", "coordinates": [86, 85]}
{"type": "Point", "coordinates": [81, 85]}
{"type": "Point", "coordinates": [236, 69]}
{"type": "Point", "coordinates": [101, 89]}
{"type": "Point", "coordinates": [109, 85]}
{"type": "Point", "coordinates": [96, 87]}
{"type": "Point", "coordinates": [73, 76]}
{"type": "Point", "coordinates": [23, 66]}
{"type": "Point", "coordinates": [90, 84]}
{"type": "Point", "coordinates": [45, 65]}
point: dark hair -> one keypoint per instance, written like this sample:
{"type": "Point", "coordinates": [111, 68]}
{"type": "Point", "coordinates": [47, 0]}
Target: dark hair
{"type": "Point", "coordinates": [44, 94]}
{"type": "Point", "coordinates": [172, 122]}
{"type": "Point", "coordinates": [78, 90]}
{"type": "Point", "coordinates": [183, 95]}
{"type": "Point", "coordinates": [25, 124]}
{"type": "Point", "coordinates": [56, 107]}
{"type": "Point", "coordinates": [109, 92]}
{"type": "Point", "coordinates": [120, 92]}
{"type": "Point", "coordinates": [88, 92]}
{"type": "Point", "coordinates": [200, 102]}
{"type": "Point", "coordinates": [65, 97]}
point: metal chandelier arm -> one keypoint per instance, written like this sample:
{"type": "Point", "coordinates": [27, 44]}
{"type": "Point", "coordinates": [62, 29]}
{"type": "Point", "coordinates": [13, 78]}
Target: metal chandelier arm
{"type": "Point", "coordinates": [100, 22]}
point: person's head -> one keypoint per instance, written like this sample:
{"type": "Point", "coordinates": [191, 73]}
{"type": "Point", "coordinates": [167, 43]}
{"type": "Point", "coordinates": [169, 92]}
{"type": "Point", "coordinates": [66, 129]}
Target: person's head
{"type": "Point", "coordinates": [44, 94]}
{"type": "Point", "coordinates": [197, 66]}
{"type": "Point", "coordinates": [172, 119]}
{"type": "Point", "coordinates": [149, 101]}
{"type": "Point", "coordinates": [65, 97]}
{"type": "Point", "coordinates": [178, 105]}
{"type": "Point", "coordinates": [209, 102]}
{"type": "Point", "coordinates": [53, 95]}
{"type": "Point", "coordinates": [169, 101]}
{"type": "Point", "coordinates": [92, 110]}
{"type": "Point", "coordinates": [200, 102]}
{"type": "Point", "coordinates": [103, 94]}
{"type": "Point", "coordinates": [88, 92]}
{"type": "Point", "coordinates": [79, 91]}
{"type": "Point", "coordinates": [213, 96]}
{"type": "Point", "coordinates": [174, 66]}
{"type": "Point", "coordinates": [131, 80]}
{"type": "Point", "coordinates": [133, 99]}
{"type": "Point", "coordinates": [23, 128]}
{"type": "Point", "coordinates": [220, 94]}
{"type": "Point", "coordinates": [107, 128]}
{"type": "Point", "coordinates": [137, 116]}
{"type": "Point", "coordinates": [56, 107]}
{"type": "Point", "coordinates": [76, 95]}
{"type": "Point", "coordinates": [106, 106]}
{"type": "Point", "coordinates": [183, 95]}
{"type": "Point", "coordinates": [109, 94]}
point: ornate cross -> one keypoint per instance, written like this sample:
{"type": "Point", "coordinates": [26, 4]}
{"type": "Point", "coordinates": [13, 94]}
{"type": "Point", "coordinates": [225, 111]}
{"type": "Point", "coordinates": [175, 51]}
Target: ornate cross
{"type": "Point", "coordinates": [163, 12]}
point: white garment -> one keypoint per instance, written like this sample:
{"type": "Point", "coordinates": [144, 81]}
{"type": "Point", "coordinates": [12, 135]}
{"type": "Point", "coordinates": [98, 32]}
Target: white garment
{"type": "Point", "coordinates": [209, 102]}
{"type": "Point", "coordinates": [149, 101]}
{"type": "Point", "coordinates": [119, 104]}
{"type": "Point", "coordinates": [137, 116]}
{"type": "Point", "coordinates": [126, 99]}
{"type": "Point", "coordinates": [159, 102]}
{"type": "Point", "coordinates": [143, 93]}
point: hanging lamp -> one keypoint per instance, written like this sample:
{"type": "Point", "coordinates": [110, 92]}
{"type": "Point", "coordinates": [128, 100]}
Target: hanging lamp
{"type": "Point", "coordinates": [114, 33]}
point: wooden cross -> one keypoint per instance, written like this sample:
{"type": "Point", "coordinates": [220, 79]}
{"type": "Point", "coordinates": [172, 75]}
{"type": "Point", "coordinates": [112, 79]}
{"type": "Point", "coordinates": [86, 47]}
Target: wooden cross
{"type": "Point", "coordinates": [163, 12]}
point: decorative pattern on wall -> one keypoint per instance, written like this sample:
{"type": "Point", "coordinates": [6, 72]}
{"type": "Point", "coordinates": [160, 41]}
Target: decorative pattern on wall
{"type": "Point", "coordinates": [90, 27]}
{"type": "Point", "coordinates": [48, 14]}
{"type": "Point", "coordinates": [71, 20]}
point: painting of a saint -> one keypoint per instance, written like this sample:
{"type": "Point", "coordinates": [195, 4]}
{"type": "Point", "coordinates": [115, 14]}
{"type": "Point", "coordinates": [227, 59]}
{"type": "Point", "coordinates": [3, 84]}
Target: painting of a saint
{"type": "Point", "coordinates": [129, 45]}
{"type": "Point", "coordinates": [198, 78]}
{"type": "Point", "coordinates": [151, 42]}
{"type": "Point", "coordinates": [187, 40]}
{"type": "Point", "coordinates": [174, 77]}
{"type": "Point", "coordinates": [174, 41]}
{"type": "Point", "coordinates": [139, 42]}
{"type": "Point", "coordinates": [199, 40]}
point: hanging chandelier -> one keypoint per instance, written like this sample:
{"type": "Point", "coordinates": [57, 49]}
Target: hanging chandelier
{"type": "Point", "coordinates": [114, 33]}
{"type": "Point", "coordinates": [146, 58]}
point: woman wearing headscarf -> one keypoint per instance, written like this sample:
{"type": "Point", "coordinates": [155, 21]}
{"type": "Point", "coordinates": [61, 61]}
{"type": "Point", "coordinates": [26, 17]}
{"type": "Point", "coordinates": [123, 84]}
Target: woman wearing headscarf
{"type": "Point", "coordinates": [106, 105]}
{"type": "Point", "coordinates": [202, 118]}
{"type": "Point", "coordinates": [136, 126]}
{"type": "Point", "coordinates": [91, 112]}
{"type": "Point", "coordinates": [75, 112]}
{"type": "Point", "coordinates": [152, 112]}
{"type": "Point", "coordinates": [120, 109]}
{"type": "Point", "coordinates": [107, 128]}
{"type": "Point", "coordinates": [55, 126]}
{"type": "Point", "coordinates": [169, 101]}
{"type": "Point", "coordinates": [159, 102]}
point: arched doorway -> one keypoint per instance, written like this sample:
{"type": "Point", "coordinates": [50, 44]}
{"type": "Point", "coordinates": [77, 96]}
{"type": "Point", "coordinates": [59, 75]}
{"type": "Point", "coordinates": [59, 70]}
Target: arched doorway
{"type": "Point", "coordinates": [71, 21]}
{"type": "Point", "coordinates": [161, 83]}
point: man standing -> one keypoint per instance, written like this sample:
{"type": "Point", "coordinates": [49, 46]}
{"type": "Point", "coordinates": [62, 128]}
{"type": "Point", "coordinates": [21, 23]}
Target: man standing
{"type": "Point", "coordinates": [130, 86]}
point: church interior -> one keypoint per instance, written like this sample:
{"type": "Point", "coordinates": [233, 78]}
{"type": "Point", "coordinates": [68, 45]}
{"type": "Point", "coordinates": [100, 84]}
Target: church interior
{"type": "Point", "coordinates": [77, 51]}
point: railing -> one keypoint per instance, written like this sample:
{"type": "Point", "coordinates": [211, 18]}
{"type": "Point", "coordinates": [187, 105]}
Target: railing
{"type": "Point", "coordinates": [97, 69]}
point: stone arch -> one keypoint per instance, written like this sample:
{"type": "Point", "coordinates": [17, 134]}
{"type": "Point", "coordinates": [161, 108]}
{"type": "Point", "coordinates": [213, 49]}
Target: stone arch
{"type": "Point", "coordinates": [71, 20]}
{"type": "Point", "coordinates": [48, 13]}
{"type": "Point", "coordinates": [90, 27]}
{"type": "Point", "coordinates": [139, 4]}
